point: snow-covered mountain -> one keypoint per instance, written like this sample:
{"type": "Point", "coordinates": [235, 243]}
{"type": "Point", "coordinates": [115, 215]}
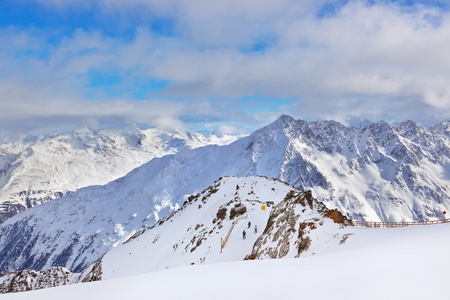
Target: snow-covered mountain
{"type": "Point", "coordinates": [287, 228]}
{"type": "Point", "coordinates": [285, 223]}
{"type": "Point", "coordinates": [36, 170]}
{"type": "Point", "coordinates": [379, 172]}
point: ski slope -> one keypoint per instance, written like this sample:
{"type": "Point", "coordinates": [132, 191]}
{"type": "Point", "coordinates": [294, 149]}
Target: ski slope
{"type": "Point", "coordinates": [174, 242]}
{"type": "Point", "coordinates": [395, 263]}
{"type": "Point", "coordinates": [193, 234]}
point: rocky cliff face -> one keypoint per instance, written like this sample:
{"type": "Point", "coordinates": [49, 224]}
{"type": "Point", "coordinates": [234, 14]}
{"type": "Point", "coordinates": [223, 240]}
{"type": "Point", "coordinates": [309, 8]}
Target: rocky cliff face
{"type": "Point", "coordinates": [300, 225]}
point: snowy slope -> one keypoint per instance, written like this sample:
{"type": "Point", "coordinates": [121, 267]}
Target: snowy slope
{"type": "Point", "coordinates": [193, 234]}
{"type": "Point", "coordinates": [377, 172]}
{"type": "Point", "coordinates": [36, 170]}
{"type": "Point", "coordinates": [395, 263]}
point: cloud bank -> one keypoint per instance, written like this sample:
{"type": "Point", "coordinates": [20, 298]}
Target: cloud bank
{"type": "Point", "coordinates": [181, 64]}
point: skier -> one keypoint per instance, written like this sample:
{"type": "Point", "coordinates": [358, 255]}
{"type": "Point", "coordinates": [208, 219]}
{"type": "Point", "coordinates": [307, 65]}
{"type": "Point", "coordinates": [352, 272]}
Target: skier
{"type": "Point", "coordinates": [243, 235]}
{"type": "Point", "coordinates": [256, 229]}
{"type": "Point", "coordinates": [249, 224]}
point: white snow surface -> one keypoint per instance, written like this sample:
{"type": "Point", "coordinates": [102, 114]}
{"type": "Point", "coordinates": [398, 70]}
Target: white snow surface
{"type": "Point", "coordinates": [395, 263]}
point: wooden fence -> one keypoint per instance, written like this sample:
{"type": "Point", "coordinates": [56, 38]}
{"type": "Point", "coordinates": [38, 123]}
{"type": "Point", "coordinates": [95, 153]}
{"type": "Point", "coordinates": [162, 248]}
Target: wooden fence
{"type": "Point", "coordinates": [224, 241]}
{"type": "Point", "coordinates": [396, 224]}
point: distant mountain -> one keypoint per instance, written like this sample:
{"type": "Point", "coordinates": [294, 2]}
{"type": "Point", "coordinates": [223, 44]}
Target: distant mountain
{"type": "Point", "coordinates": [36, 170]}
{"type": "Point", "coordinates": [378, 172]}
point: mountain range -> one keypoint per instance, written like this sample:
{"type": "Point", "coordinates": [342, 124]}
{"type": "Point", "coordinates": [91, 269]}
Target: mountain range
{"type": "Point", "coordinates": [35, 170]}
{"type": "Point", "coordinates": [377, 172]}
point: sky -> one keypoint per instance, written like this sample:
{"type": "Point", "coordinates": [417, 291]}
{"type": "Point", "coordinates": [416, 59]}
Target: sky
{"type": "Point", "coordinates": [221, 66]}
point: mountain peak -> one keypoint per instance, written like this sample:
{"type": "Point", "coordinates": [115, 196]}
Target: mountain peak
{"type": "Point", "coordinates": [442, 129]}
{"type": "Point", "coordinates": [284, 120]}
{"type": "Point", "coordinates": [83, 131]}
{"type": "Point", "coordinates": [282, 124]}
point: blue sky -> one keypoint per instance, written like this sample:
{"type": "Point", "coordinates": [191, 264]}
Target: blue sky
{"type": "Point", "coordinates": [225, 66]}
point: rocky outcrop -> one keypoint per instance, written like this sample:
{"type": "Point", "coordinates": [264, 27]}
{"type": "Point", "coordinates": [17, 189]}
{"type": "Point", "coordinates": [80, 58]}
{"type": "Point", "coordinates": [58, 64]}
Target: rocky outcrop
{"type": "Point", "coordinates": [292, 224]}
{"type": "Point", "coordinates": [28, 280]}
{"type": "Point", "coordinates": [238, 210]}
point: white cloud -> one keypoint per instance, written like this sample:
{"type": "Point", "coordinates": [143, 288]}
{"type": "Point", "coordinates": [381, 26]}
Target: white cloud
{"type": "Point", "coordinates": [226, 129]}
{"type": "Point", "coordinates": [376, 61]}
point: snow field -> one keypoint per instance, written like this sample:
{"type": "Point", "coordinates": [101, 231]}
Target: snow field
{"type": "Point", "coordinates": [395, 263]}
{"type": "Point", "coordinates": [164, 246]}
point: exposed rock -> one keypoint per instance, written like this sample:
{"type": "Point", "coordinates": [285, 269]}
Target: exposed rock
{"type": "Point", "coordinates": [27, 280]}
{"type": "Point", "coordinates": [291, 222]}
{"type": "Point", "coordinates": [237, 210]}
{"type": "Point", "coordinates": [93, 273]}
{"type": "Point", "coordinates": [337, 216]}
{"type": "Point", "coordinates": [221, 214]}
